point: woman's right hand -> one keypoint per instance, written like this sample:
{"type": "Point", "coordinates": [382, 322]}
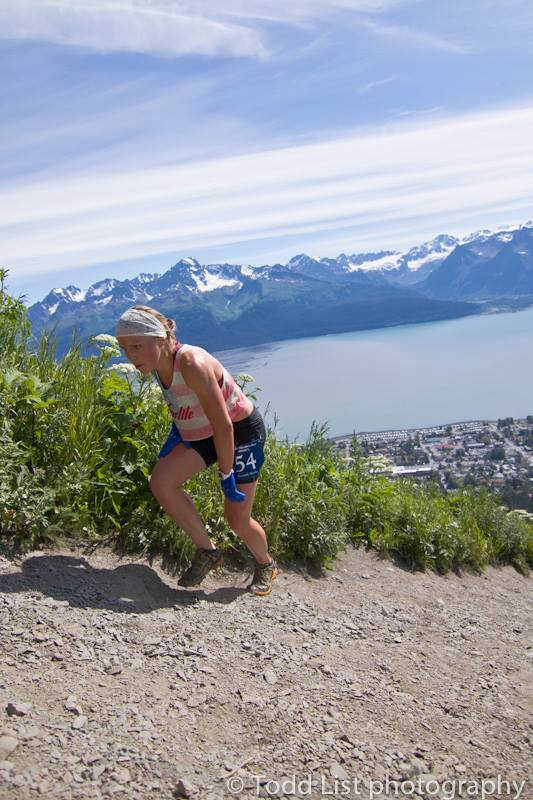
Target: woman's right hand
{"type": "Point", "coordinates": [229, 487]}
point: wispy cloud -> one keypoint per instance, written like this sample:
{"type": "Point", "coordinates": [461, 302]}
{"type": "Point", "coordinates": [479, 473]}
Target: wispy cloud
{"type": "Point", "coordinates": [452, 167]}
{"type": "Point", "coordinates": [169, 27]}
{"type": "Point", "coordinates": [164, 28]}
{"type": "Point", "coordinates": [412, 36]}
{"type": "Point", "coordinates": [368, 87]}
{"type": "Point", "coordinates": [118, 122]}
{"type": "Point", "coordinates": [291, 13]}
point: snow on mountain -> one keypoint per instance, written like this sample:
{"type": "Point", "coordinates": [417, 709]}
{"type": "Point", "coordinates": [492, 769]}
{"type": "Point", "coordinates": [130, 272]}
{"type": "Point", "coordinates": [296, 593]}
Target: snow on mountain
{"type": "Point", "coordinates": [146, 277]}
{"type": "Point", "coordinates": [413, 264]}
{"type": "Point", "coordinates": [503, 233]}
{"type": "Point", "coordinates": [301, 260]}
{"type": "Point", "coordinates": [389, 261]}
{"type": "Point", "coordinates": [208, 280]}
{"type": "Point", "coordinates": [487, 244]}
{"type": "Point", "coordinates": [191, 276]}
{"type": "Point", "coordinates": [75, 294]}
{"type": "Point", "coordinates": [382, 261]}
{"type": "Point", "coordinates": [70, 293]}
{"type": "Point", "coordinates": [61, 297]}
{"type": "Point", "coordinates": [101, 288]}
{"type": "Point", "coordinates": [197, 277]}
{"type": "Point", "coordinates": [436, 250]}
{"type": "Point", "coordinates": [188, 275]}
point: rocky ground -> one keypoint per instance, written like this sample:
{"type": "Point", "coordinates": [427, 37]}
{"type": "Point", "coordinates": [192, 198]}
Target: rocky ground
{"type": "Point", "coordinates": [370, 682]}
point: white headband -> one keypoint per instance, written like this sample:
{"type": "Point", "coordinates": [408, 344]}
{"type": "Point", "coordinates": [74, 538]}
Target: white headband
{"type": "Point", "coordinates": [134, 322]}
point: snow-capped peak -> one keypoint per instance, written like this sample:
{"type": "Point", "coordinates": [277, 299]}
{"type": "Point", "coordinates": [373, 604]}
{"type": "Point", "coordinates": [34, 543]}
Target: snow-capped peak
{"type": "Point", "coordinates": [188, 275]}
{"type": "Point", "coordinates": [436, 249]}
{"type": "Point", "coordinates": [75, 294]}
{"type": "Point", "coordinates": [477, 235]}
{"type": "Point", "coordinates": [300, 259]}
{"type": "Point", "coordinates": [102, 287]}
{"type": "Point", "coordinates": [71, 293]}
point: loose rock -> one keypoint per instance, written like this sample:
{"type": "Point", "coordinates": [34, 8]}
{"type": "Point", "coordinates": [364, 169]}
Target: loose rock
{"type": "Point", "coordinates": [183, 788]}
{"type": "Point", "coordinates": [7, 745]}
{"type": "Point", "coordinates": [19, 709]}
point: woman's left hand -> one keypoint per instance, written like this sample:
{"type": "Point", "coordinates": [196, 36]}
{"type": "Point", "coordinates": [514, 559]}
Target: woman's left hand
{"type": "Point", "coordinates": [229, 487]}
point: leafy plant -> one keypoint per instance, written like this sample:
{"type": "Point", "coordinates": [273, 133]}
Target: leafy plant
{"type": "Point", "coordinates": [79, 437]}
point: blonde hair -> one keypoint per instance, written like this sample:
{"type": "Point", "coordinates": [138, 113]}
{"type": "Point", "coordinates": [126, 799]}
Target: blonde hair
{"type": "Point", "coordinates": [167, 323]}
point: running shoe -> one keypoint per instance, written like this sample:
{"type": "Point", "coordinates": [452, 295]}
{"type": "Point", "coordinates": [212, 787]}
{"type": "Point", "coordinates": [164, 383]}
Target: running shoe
{"type": "Point", "coordinates": [264, 575]}
{"type": "Point", "coordinates": [203, 561]}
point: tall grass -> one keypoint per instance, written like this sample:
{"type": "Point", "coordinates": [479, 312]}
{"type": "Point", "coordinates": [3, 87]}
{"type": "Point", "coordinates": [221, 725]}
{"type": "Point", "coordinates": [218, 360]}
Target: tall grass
{"type": "Point", "coordinates": [78, 440]}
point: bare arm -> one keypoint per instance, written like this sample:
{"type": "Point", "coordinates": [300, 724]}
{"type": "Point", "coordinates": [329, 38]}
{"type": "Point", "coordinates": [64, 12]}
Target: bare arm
{"type": "Point", "coordinates": [200, 376]}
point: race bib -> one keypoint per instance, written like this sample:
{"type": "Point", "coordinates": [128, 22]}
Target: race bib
{"type": "Point", "coordinates": [248, 459]}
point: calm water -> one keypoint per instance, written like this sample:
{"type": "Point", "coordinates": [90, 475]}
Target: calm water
{"type": "Point", "coordinates": [408, 376]}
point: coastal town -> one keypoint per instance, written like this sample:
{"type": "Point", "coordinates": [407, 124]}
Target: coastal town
{"type": "Point", "coordinates": [493, 453]}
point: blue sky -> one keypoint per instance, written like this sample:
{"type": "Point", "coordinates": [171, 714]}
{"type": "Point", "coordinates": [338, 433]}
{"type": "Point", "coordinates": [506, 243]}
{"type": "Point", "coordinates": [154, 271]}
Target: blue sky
{"type": "Point", "coordinates": [137, 132]}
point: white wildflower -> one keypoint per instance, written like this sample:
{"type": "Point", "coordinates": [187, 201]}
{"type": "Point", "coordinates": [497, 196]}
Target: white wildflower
{"type": "Point", "coordinates": [124, 369]}
{"type": "Point", "coordinates": [152, 391]}
{"type": "Point", "coordinates": [105, 338]}
{"type": "Point", "coordinates": [107, 344]}
{"type": "Point", "coordinates": [108, 352]}
{"type": "Point", "coordinates": [243, 376]}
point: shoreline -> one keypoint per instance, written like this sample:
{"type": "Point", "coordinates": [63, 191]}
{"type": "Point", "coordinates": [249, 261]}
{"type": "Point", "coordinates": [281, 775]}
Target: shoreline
{"type": "Point", "coordinates": [484, 308]}
{"type": "Point", "coordinates": [425, 429]}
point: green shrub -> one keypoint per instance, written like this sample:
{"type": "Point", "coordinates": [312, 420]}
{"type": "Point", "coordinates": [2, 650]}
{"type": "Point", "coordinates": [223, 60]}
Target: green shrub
{"type": "Point", "coordinates": [299, 500]}
{"type": "Point", "coordinates": [79, 437]}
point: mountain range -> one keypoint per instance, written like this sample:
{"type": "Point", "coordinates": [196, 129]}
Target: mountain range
{"type": "Point", "coordinates": [222, 306]}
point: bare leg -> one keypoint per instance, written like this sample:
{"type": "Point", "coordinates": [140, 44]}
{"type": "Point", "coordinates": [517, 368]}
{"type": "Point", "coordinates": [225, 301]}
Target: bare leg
{"type": "Point", "coordinates": [166, 479]}
{"type": "Point", "coordinates": [250, 531]}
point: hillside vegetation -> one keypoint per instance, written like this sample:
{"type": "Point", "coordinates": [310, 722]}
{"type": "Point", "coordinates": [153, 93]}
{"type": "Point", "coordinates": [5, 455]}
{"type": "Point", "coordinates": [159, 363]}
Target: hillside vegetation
{"type": "Point", "coordinates": [79, 438]}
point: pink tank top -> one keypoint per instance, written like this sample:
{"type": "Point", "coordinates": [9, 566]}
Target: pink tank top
{"type": "Point", "coordinates": [184, 405]}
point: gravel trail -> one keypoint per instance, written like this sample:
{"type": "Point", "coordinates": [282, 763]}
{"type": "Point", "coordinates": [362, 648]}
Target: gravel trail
{"type": "Point", "coordinates": [367, 681]}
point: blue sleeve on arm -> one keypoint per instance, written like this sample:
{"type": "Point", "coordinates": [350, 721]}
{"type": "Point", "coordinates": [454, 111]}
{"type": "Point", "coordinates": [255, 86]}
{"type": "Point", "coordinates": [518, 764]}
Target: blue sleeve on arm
{"type": "Point", "coordinates": [173, 439]}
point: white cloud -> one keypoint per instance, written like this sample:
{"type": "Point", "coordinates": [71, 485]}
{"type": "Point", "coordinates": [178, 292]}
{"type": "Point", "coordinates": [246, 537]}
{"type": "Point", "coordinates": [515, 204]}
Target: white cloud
{"type": "Point", "coordinates": [411, 36]}
{"type": "Point", "coordinates": [368, 87]}
{"type": "Point", "coordinates": [168, 27]}
{"type": "Point", "coordinates": [172, 28]}
{"type": "Point", "coordinates": [163, 28]}
{"type": "Point", "coordinates": [385, 179]}
{"type": "Point", "coordinates": [281, 11]}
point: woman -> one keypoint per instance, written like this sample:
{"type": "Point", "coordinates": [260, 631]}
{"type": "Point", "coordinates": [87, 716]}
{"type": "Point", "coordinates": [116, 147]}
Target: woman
{"type": "Point", "coordinates": [213, 420]}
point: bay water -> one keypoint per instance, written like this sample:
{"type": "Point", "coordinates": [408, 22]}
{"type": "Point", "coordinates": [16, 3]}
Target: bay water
{"type": "Point", "coordinates": [409, 376]}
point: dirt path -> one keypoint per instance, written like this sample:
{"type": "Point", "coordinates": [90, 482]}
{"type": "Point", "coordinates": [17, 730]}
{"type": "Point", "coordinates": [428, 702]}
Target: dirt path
{"type": "Point", "coordinates": [371, 682]}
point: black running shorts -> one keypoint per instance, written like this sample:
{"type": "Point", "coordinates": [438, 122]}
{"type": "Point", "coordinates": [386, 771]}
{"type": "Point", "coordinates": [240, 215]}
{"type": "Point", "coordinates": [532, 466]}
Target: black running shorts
{"type": "Point", "coordinates": [249, 436]}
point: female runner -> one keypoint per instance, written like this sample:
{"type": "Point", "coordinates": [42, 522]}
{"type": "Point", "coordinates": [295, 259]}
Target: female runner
{"type": "Point", "coordinates": [213, 420]}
